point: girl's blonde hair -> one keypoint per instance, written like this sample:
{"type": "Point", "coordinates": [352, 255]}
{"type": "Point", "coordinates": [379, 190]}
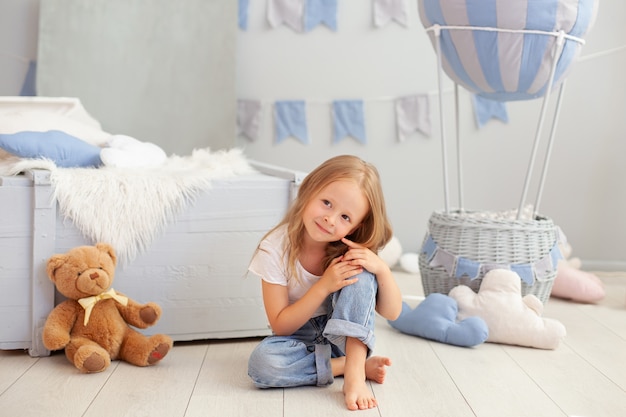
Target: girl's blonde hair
{"type": "Point", "coordinates": [374, 231]}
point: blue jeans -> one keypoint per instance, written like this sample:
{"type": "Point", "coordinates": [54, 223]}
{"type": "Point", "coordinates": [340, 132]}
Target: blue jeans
{"type": "Point", "coordinates": [303, 358]}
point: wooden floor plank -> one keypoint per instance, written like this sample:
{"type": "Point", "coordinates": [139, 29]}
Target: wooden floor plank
{"type": "Point", "coordinates": [615, 287]}
{"type": "Point", "coordinates": [417, 383]}
{"type": "Point", "coordinates": [321, 401]}
{"type": "Point", "coordinates": [53, 387]}
{"type": "Point", "coordinates": [13, 363]}
{"type": "Point", "coordinates": [224, 388]}
{"type": "Point", "coordinates": [608, 315]}
{"type": "Point", "coordinates": [585, 376]}
{"type": "Point", "coordinates": [597, 342]}
{"type": "Point", "coordinates": [569, 380]}
{"type": "Point", "coordinates": [493, 384]}
{"type": "Point", "coordinates": [163, 389]}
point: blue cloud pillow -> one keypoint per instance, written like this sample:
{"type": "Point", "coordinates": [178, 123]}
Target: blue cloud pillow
{"type": "Point", "coordinates": [435, 318]}
{"type": "Point", "coordinates": [63, 149]}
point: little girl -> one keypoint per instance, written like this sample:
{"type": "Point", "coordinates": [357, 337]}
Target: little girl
{"type": "Point", "coordinates": [322, 281]}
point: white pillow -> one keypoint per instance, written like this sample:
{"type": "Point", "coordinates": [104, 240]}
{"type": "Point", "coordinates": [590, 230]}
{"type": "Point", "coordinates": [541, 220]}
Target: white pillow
{"type": "Point", "coordinates": [13, 121]}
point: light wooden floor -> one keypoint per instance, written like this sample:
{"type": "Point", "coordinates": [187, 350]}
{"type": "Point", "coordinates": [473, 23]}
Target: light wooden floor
{"type": "Point", "coordinates": [585, 376]}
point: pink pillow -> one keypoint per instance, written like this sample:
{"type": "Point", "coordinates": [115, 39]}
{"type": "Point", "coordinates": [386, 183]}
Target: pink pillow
{"type": "Point", "coordinates": [577, 285]}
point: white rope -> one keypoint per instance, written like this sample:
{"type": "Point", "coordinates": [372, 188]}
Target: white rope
{"type": "Point", "coordinates": [442, 124]}
{"type": "Point", "coordinates": [544, 108]}
{"type": "Point", "coordinates": [549, 150]}
{"type": "Point", "coordinates": [556, 34]}
{"type": "Point", "coordinates": [458, 147]}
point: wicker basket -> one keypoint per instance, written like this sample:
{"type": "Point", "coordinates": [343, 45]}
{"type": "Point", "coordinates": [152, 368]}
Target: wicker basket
{"type": "Point", "coordinates": [491, 240]}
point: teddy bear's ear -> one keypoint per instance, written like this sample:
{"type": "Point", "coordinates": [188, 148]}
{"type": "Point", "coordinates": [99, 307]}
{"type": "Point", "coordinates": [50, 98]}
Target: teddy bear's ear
{"type": "Point", "coordinates": [55, 262]}
{"type": "Point", "coordinates": [105, 247]}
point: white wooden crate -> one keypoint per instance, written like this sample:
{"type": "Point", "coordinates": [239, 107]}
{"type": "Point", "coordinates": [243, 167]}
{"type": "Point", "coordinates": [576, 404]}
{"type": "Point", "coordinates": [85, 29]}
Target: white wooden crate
{"type": "Point", "coordinates": [196, 270]}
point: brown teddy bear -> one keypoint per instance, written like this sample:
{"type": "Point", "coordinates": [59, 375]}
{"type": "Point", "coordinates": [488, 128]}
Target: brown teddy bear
{"type": "Point", "coordinates": [92, 325]}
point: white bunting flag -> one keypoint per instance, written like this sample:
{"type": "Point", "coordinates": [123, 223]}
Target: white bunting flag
{"type": "Point", "coordinates": [289, 12]}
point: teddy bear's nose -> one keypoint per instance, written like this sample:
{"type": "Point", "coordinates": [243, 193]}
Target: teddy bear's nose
{"type": "Point", "coordinates": [94, 275]}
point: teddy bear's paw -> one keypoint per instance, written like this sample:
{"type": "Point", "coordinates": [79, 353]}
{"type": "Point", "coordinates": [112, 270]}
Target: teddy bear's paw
{"type": "Point", "coordinates": [95, 363]}
{"type": "Point", "coordinates": [89, 361]}
{"type": "Point", "coordinates": [54, 340]}
{"type": "Point", "coordinates": [158, 353]}
{"type": "Point", "coordinates": [150, 313]}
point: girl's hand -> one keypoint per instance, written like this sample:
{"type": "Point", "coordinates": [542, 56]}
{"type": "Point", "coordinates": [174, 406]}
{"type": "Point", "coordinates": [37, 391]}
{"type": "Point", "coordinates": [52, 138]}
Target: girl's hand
{"type": "Point", "coordinates": [359, 255]}
{"type": "Point", "coordinates": [338, 275]}
{"type": "Point", "coordinates": [388, 297]}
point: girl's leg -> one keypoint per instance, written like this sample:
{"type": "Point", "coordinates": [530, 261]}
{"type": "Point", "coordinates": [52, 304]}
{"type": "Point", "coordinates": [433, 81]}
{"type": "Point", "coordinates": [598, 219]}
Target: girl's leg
{"type": "Point", "coordinates": [290, 361]}
{"type": "Point", "coordinates": [354, 313]}
{"type": "Point", "coordinates": [357, 394]}
{"type": "Point", "coordinates": [351, 327]}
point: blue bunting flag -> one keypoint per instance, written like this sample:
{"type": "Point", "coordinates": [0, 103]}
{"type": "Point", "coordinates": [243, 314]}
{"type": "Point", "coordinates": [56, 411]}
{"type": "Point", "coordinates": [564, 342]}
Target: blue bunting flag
{"type": "Point", "coordinates": [28, 87]}
{"type": "Point", "coordinates": [290, 118]}
{"type": "Point", "coordinates": [320, 11]}
{"type": "Point", "coordinates": [467, 267]}
{"type": "Point", "coordinates": [457, 266]}
{"type": "Point", "coordinates": [486, 109]}
{"type": "Point", "coordinates": [429, 247]}
{"type": "Point", "coordinates": [349, 120]}
{"type": "Point", "coordinates": [243, 14]}
{"type": "Point", "coordinates": [555, 255]}
{"type": "Point", "coordinates": [525, 272]}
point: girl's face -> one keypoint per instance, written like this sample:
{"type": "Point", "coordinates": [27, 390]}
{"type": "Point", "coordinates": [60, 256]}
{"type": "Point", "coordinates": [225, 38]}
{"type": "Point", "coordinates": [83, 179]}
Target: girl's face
{"type": "Point", "coordinates": [335, 212]}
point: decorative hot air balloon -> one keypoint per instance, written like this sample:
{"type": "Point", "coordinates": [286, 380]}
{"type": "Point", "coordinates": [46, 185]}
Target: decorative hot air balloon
{"type": "Point", "coordinates": [502, 50]}
{"type": "Point", "coordinates": [507, 50]}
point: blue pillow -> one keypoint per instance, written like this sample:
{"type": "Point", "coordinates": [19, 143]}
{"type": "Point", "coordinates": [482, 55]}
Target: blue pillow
{"type": "Point", "coordinates": [63, 149]}
{"type": "Point", "coordinates": [435, 319]}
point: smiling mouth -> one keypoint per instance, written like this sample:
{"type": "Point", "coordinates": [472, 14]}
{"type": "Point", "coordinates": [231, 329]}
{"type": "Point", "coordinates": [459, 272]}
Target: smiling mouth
{"type": "Point", "coordinates": [322, 228]}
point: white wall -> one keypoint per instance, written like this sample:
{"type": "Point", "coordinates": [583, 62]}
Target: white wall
{"type": "Point", "coordinates": [160, 71]}
{"type": "Point", "coordinates": [585, 192]}
{"type": "Point", "coordinates": [18, 42]}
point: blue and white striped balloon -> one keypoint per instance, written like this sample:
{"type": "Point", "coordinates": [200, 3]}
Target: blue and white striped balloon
{"type": "Point", "coordinates": [512, 62]}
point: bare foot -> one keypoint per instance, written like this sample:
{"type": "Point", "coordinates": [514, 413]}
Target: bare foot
{"type": "Point", "coordinates": [376, 368]}
{"type": "Point", "coordinates": [357, 394]}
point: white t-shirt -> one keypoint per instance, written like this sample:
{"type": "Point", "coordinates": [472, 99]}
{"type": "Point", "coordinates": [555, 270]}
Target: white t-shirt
{"type": "Point", "coordinates": [270, 263]}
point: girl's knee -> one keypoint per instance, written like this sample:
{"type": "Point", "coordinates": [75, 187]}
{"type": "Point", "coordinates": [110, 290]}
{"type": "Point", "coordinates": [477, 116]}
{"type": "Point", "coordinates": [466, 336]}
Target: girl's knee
{"type": "Point", "coordinates": [366, 283]}
{"type": "Point", "coordinates": [274, 354]}
{"type": "Point", "coordinates": [260, 369]}
{"type": "Point", "coordinates": [264, 354]}
{"type": "Point", "coordinates": [366, 276]}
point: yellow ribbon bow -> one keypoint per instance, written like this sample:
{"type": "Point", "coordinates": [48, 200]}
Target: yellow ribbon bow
{"type": "Point", "coordinates": [88, 302]}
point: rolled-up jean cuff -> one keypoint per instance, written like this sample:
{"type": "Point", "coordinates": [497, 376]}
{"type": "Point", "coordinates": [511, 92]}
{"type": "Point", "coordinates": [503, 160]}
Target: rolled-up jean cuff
{"type": "Point", "coordinates": [322, 365]}
{"type": "Point", "coordinates": [337, 330]}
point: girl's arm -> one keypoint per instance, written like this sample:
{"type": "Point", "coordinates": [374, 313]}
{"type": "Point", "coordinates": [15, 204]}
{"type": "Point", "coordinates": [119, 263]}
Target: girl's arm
{"type": "Point", "coordinates": [389, 297]}
{"type": "Point", "coordinates": [284, 318]}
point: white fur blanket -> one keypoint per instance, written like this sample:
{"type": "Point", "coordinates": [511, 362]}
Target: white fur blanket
{"type": "Point", "coordinates": [129, 207]}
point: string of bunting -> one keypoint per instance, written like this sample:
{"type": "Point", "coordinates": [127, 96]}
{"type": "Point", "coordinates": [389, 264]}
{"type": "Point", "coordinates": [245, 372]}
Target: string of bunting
{"type": "Point", "coordinates": [306, 15]}
{"type": "Point", "coordinates": [458, 266]}
{"type": "Point", "coordinates": [412, 114]}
